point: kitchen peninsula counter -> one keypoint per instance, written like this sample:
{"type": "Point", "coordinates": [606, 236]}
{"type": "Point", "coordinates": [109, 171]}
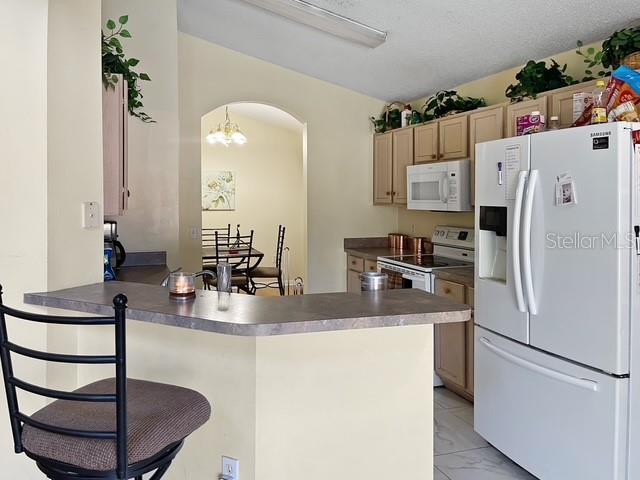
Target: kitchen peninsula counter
{"type": "Point", "coordinates": [306, 378]}
{"type": "Point", "coordinates": [247, 315]}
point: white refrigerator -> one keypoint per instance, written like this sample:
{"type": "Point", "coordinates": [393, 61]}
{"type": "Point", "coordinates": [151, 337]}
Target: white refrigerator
{"type": "Point", "coordinates": [557, 287]}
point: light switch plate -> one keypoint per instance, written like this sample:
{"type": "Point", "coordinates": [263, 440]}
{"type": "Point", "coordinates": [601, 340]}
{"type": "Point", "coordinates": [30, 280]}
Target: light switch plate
{"type": "Point", "coordinates": [230, 468]}
{"type": "Point", "coordinates": [90, 215]}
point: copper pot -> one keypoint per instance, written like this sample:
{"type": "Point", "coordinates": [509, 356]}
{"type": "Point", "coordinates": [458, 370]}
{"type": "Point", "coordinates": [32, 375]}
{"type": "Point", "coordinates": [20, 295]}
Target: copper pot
{"type": "Point", "coordinates": [397, 241]}
{"type": "Point", "coordinates": [418, 245]}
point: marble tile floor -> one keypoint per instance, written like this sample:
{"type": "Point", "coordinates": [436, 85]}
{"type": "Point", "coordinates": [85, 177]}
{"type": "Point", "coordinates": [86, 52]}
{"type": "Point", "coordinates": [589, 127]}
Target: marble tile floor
{"type": "Point", "coordinates": [462, 454]}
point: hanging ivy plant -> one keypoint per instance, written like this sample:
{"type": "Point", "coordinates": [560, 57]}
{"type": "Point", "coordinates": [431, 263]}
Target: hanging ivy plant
{"type": "Point", "coordinates": [448, 102]}
{"type": "Point", "coordinates": [592, 59]}
{"type": "Point", "coordinates": [114, 62]}
{"type": "Point", "coordinates": [536, 77]}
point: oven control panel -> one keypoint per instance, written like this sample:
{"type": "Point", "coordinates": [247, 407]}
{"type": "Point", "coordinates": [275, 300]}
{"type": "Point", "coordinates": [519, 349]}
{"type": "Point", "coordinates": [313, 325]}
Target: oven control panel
{"type": "Point", "coordinates": [461, 237]}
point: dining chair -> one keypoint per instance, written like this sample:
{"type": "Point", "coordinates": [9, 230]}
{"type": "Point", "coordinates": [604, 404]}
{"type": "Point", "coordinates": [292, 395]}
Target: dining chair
{"type": "Point", "coordinates": [113, 429]}
{"type": "Point", "coordinates": [237, 251]}
{"type": "Point", "coordinates": [209, 241]}
{"type": "Point", "coordinates": [271, 272]}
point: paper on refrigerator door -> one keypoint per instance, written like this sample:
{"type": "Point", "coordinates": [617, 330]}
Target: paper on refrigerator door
{"type": "Point", "coordinates": [565, 191]}
{"type": "Point", "coordinates": [512, 158]}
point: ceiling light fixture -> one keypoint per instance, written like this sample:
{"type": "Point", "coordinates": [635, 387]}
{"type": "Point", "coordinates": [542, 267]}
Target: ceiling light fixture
{"type": "Point", "coordinates": [325, 20]}
{"type": "Point", "coordinates": [226, 133]}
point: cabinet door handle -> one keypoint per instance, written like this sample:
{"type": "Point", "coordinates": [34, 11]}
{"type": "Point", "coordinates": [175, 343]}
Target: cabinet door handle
{"type": "Point", "coordinates": [433, 156]}
{"type": "Point", "coordinates": [388, 193]}
{"type": "Point", "coordinates": [447, 290]}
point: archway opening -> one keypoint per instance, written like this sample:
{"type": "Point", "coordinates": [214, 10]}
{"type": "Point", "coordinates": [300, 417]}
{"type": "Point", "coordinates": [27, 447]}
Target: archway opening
{"type": "Point", "coordinates": [260, 184]}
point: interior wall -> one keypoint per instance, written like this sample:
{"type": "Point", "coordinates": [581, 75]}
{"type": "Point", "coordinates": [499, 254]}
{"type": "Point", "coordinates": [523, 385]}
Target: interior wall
{"type": "Point", "coordinates": [269, 184]}
{"type": "Point", "coordinates": [151, 223]}
{"type": "Point", "coordinates": [492, 88]}
{"type": "Point", "coordinates": [339, 150]}
{"type": "Point", "coordinates": [50, 127]}
{"type": "Point", "coordinates": [374, 383]}
{"type": "Point", "coordinates": [23, 197]}
{"type": "Point", "coordinates": [74, 111]}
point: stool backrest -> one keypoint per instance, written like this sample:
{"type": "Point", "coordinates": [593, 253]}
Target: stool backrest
{"type": "Point", "coordinates": [12, 383]}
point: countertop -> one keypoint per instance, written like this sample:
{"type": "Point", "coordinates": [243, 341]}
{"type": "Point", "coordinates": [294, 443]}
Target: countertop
{"type": "Point", "coordinates": [463, 275]}
{"type": "Point", "coordinates": [248, 315]}
{"type": "Point", "coordinates": [372, 253]}
{"type": "Point", "coordinates": [151, 274]}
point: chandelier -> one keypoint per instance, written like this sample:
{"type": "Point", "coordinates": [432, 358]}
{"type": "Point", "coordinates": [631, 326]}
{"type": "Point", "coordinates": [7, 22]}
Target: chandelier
{"type": "Point", "coordinates": [226, 133]}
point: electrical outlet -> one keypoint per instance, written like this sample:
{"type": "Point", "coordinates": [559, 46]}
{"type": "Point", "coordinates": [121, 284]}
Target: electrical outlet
{"type": "Point", "coordinates": [195, 233]}
{"type": "Point", "coordinates": [230, 468]}
{"type": "Point", "coordinates": [91, 215]}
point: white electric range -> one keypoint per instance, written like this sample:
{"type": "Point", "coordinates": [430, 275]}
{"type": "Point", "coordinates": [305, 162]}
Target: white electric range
{"type": "Point", "coordinates": [452, 247]}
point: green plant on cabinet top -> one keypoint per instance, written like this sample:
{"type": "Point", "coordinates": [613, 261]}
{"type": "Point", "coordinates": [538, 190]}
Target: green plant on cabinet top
{"type": "Point", "coordinates": [114, 62]}
{"type": "Point", "coordinates": [446, 102]}
{"type": "Point", "coordinates": [614, 50]}
{"type": "Point", "coordinates": [619, 45]}
{"type": "Point", "coordinates": [535, 78]}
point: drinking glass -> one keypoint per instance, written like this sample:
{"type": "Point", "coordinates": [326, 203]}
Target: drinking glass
{"type": "Point", "coordinates": [223, 271]}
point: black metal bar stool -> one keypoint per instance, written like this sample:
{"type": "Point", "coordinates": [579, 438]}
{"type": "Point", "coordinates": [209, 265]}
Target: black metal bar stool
{"type": "Point", "coordinates": [113, 429]}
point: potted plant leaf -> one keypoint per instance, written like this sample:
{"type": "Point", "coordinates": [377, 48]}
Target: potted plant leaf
{"type": "Point", "coordinates": [592, 59]}
{"type": "Point", "coordinates": [114, 62]}
{"type": "Point", "coordinates": [448, 102]}
{"type": "Point", "coordinates": [537, 77]}
{"type": "Point", "coordinates": [622, 48]}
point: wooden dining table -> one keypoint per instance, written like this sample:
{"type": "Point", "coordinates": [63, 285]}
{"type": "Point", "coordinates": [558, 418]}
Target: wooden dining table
{"type": "Point", "coordinates": [211, 254]}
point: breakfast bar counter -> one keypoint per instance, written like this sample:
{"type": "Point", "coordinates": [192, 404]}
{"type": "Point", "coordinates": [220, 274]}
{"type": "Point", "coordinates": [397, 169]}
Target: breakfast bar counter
{"type": "Point", "coordinates": [310, 379]}
{"type": "Point", "coordinates": [248, 315]}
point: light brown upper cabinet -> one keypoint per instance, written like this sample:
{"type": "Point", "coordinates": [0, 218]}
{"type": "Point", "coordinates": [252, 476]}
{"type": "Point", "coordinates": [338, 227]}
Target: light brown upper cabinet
{"type": "Point", "coordinates": [453, 137]}
{"type": "Point", "coordinates": [402, 158]}
{"type": "Point", "coordinates": [115, 117]}
{"type": "Point", "coordinates": [426, 143]}
{"type": "Point", "coordinates": [484, 126]}
{"type": "Point", "coordinates": [519, 109]}
{"type": "Point", "coordinates": [562, 102]}
{"type": "Point", "coordinates": [382, 168]}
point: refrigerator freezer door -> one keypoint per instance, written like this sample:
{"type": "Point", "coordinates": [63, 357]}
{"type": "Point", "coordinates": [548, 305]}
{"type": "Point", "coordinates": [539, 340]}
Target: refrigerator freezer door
{"type": "Point", "coordinates": [580, 245]}
{"type": "Point", "coordinates": [501, 170]}
{"type": "Point", "coordinates": [558, 420]}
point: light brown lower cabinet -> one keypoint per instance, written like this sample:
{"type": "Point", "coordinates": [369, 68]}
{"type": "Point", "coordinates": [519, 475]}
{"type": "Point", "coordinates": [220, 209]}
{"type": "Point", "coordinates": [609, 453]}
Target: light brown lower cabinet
{"type": "Point", "coordinates": [454, 344]}
{"type": "Point", "coordinates": [355, 266]}
{"type": "Point", "coordinates": [470, 345]}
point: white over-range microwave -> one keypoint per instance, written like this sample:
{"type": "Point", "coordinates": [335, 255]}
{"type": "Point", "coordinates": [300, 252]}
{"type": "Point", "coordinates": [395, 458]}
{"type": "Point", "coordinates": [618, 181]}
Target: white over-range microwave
{"type": "Point", "coordinates": [443, 186]}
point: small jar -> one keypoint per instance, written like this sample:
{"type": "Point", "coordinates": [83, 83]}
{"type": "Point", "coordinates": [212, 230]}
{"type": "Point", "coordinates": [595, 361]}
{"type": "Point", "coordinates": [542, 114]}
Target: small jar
{"type": "Point", "coordinates": [554, 123]}
{"type": "Point", "coordinates": [182, 286]}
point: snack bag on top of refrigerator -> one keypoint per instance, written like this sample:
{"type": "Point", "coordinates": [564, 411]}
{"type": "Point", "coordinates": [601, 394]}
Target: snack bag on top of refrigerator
{"type": "Point", "coordinates": [624, 102]}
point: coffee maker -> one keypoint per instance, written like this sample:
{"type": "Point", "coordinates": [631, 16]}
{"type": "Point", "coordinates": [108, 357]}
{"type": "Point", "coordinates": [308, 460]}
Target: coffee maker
{"type": "Point", "coordinates": [111, 242]}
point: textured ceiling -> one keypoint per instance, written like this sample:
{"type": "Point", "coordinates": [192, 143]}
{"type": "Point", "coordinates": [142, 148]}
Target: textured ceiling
{"type": "Point", "coordinates": [431, 44]}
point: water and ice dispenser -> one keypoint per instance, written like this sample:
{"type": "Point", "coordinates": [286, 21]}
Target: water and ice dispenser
{"type": "Point", "coordinates": [492, 243]}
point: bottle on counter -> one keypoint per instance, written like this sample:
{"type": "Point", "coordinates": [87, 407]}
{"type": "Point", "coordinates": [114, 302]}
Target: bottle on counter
{"type": "Point", "coordinates": [407, 113]}
{"type": "Point", "coordinates": [554, 123]}
{"type": "Point", "coordinates": [599, 112]}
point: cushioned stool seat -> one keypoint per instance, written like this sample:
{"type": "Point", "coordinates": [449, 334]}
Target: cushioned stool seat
{"type": "Point", "coordinates": [159, 415]}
